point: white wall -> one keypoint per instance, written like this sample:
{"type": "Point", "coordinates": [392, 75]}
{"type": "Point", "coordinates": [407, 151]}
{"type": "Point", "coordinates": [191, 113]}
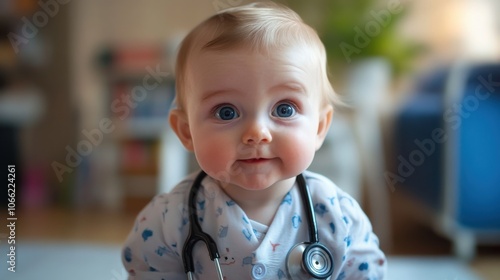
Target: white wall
{"type": "Point", "coordinates": [468, 29]}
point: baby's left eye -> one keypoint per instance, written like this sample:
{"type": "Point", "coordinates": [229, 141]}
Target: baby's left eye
{"type": "Point", "coordinates": [284, 110]}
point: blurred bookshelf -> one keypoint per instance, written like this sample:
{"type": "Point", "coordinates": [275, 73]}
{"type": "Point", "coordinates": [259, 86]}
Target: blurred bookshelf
{"type": "Point", "coordinates": [139, 95]}
{"type": "Point", "coordinates": [21, 101]}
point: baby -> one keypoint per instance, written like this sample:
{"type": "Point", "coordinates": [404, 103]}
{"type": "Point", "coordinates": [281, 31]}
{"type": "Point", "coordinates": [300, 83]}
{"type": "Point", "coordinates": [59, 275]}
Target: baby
{"type": "Point", "coordinates": [254, 104]}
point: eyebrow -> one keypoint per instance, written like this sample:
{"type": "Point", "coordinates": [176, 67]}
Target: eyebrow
{"type": "Point", "coordinates": [210, 94]}
{"type": "Point", "coordinates": [291, 86]}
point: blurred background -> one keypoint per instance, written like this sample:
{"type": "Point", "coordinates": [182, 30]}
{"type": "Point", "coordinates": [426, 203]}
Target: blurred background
{"type": "Point", "coordinates": [86, 86]}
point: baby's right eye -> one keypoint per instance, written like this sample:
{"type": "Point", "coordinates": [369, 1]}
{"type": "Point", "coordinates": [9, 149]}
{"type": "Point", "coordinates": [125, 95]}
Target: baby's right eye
{"type": "Point", "coordinates": [226, 113]}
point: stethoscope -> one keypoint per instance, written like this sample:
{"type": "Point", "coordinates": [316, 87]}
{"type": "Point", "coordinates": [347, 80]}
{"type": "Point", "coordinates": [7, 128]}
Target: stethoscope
{"type": "Point", "coordinates": [306, 260]}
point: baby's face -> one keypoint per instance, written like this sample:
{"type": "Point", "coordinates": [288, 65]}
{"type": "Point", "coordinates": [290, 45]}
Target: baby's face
{"type": "Point", "coordinates": [254, 120]}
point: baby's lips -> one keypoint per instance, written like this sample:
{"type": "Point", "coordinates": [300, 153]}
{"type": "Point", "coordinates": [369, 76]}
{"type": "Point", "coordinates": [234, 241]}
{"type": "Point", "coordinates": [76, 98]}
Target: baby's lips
{"type": "Point", "coordinates": [254, 160]}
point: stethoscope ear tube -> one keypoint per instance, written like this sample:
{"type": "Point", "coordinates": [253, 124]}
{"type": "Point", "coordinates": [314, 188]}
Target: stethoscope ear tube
{"type": "Point", "coordinates": [192, 239]}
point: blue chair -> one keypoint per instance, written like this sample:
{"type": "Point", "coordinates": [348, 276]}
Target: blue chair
{"type": "Point", "coordinates": [447, 142]}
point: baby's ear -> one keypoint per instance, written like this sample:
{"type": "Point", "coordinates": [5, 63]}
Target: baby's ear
{"type": "Point", "coordinates": [180, 125]}
{"type": "Point", "coordinates": [325, 119]}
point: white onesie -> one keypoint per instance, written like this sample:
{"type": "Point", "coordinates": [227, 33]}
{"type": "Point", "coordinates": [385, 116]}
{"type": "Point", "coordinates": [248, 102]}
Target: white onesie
{"type": "Point", "coordinates": [248, 249]}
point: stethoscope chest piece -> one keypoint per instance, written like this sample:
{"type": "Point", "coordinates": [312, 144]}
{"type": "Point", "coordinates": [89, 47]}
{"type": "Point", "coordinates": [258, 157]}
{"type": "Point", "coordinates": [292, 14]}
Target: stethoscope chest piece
{"type": "Point", "coordinates": [309, 261]}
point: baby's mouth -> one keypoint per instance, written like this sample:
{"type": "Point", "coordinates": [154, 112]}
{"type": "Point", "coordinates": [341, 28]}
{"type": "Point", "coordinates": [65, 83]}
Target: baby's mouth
{"type": "Point", "coordinates": [254, 160]}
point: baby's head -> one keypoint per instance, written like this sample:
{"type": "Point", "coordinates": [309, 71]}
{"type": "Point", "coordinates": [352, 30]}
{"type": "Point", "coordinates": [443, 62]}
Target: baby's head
{"type": "Point", "coordinates": [263, 26]}
{"type": "Point", "coordinates": [253, 98]}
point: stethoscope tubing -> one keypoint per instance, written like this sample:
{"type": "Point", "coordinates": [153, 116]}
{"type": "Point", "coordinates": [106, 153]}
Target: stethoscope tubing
{"type": "Point", "coordinates": [307, 202]}
{"type": "Point", "coordinates": [197, 234]}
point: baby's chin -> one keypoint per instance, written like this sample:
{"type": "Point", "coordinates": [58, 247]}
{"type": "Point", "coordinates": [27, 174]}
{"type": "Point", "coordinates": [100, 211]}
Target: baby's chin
{"type": "Point", "coordinates": [248, 183]}
{"type": "Point", "coordinates": [257, 182]}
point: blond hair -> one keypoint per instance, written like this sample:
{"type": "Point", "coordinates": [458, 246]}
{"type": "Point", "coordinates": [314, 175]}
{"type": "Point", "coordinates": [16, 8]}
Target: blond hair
{"type": "Point", "coordinates": [261, 26]}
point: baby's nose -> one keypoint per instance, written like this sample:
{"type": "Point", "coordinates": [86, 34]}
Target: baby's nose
{"type": "Point", "coordinates": [257, 132]}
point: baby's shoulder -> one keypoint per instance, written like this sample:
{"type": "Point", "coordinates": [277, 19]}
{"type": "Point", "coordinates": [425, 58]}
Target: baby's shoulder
{"type": "Point", "coordinates": [327, 196]}
{"type": "Point", "coordinates": [178, 195]}
{"type": "Point", "coordinates": [173, 207]}
{"type": "Point", "coordinates": [168, 207]}
{"type": "Point", "coordinates": [322, 187]}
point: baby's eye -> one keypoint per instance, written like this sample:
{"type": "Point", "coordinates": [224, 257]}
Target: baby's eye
{"type": "Point", "coordinates": [226, 113]}
{"type": "Point", "coordinates": [284, 110]}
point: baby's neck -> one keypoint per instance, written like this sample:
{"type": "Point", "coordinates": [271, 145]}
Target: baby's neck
{"type": "Point", "coordinates": [260, 206]}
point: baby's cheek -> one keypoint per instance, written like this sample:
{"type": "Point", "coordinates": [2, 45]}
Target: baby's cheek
{"type": "Point", "coordinates": [298, 152]}
{"type": "Point", "coordinates": [211, 158]}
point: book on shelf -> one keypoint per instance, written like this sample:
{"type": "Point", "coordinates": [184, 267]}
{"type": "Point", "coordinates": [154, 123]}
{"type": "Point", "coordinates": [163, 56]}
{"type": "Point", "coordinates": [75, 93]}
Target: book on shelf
{"type": "Point", "coordinates": [132, 60]}
{"type": "Point", "coordinates": [155, 103]}
{"type": "Point", "coordinates": [139, 157]}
